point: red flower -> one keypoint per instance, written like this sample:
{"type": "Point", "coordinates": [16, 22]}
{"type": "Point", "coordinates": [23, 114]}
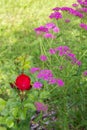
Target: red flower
{"type": "Point", "coordinates": [23, 82]}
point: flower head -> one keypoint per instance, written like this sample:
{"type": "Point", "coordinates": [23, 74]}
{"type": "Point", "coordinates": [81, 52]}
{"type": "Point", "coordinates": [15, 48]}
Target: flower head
{"type": "Point", "coordinates": [83, 25]}
{"type": "Point", "coordinates": [85, 73]}
{"type": "Point", "coordinates": [37, 85]}
{"type": "Point", "coordinates": [23, 82]}
{"type": "Point", "coordinates": [43, 58]}
{"type": "Point", "coordinates": [50, 25]}
{"type": "Point", "coordinates": [56, 8]}
{"type": "Point", "coordinates": [45, 74]}
{"type": "Point", "coordinates": [41, 29]}
{"type": "Point", "coordinates": [49, 35]}
{"type": "Point", "coordinates": [56, 15]}
{"type": "Point", "coordinates": [75, 5]}
{"type": "Point", "coordinates": [52, 51]}
{"type": "Point", "coordinates": [52, 80]}
{"type": "Point", "coordinates": [33, 70]}
{"type": "Point", "coordinates": [56, 29]}
{"type": "Point", "coordinates": [60, 82]}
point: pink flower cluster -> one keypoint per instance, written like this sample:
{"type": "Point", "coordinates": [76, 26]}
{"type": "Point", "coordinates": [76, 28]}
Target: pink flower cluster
{"type": "Point", "coordinates": [82, 2]}
{"type": "Point", "coordinates": [43, 58]}
{"type": "Point", "coordinates": [67, 53]}
{"type": "Point", "coordinates": [56, 15]}
{"type": "Point", "coordinates": [47, 30]}
{"type": "Point", "coordinates": [69, 10]}
{"type": "Point", "coordinates": [37, 85]}
{"type": "Point", "coordinates": [75, 5]}
{"type": "Point", "coordinates": [83, 10]}
{"type": "Point", "coordinates": [85, 73]}
{"type": "Point", "coordinates": [34, 69]}
{"type": "Point", "coordinates": [48, 76]}
{"type": "Point", "coordinates": [83, 25]}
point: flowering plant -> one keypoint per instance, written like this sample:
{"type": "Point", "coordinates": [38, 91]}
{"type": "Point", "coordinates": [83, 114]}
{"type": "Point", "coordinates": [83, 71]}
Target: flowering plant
{"type": "Point", "coordinates": [51, 93]}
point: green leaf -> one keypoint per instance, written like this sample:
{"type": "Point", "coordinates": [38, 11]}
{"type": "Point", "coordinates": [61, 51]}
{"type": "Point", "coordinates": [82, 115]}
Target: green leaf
{"type": "Point", "coordinates": [14, 112]}
{"type": "Point", "coordinates": [2, 120]}
{"type": "Point", "coordinates": [44, 94]}
{"type": "Point", "coordinates": [22, 114]}
{"type": "Point", "coordinates": [10, 122]}
{"type": "Point", "coordinates": [30, 106]}
{"type": "Point", "coordinates": [2, 104]}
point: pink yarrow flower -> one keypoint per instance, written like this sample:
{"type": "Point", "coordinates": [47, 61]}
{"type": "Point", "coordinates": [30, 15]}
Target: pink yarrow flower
{"type": "Point", "coordinates": [43, 58]}
{"type": "Point", "coordinates": [49, 35]}
{"type": "Point", "coordinates": [75, 5]}
{"type": "Point", "coordinates": [60, 82]}
{"type": "Point", "coordinates": [56, 15]}
{"type": "Point", "coordinates": [34, 69]}
{"type": "Point", "coordinates": [45, 74]}
{"type": "Point", "coordinates": [52, 51]}
{"type": "Point", "coordinates": [52, 80]}
{"type": "Point", "coordinates": [50, 25]}
{"type": "Point", "coordinates": [56, 29]}
{"type": "Point", "coordinates": [85, 73]}
{"type": "Point", "coordinates": [37, 85]}
{"type": "Point", "coordinates": [82, 25]}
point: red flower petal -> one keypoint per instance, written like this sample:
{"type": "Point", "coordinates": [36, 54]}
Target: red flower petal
{"type": "Point", "coordinates": [23, 82]}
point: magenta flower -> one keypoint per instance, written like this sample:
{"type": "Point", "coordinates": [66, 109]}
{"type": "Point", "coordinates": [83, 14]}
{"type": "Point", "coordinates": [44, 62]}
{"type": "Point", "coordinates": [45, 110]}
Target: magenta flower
{"type": "Point", "coordinates": [41, 107]}
{"type": "Point", "coordinates": [52, 80]}
{"type": "Point", "coordinates": [49, 35]}
{"type": "Point", "coordinates": [56, 15]}
{"type": "Point", "coordinates": [78, 63]}
{"type": "Point", "coordinates": [41, 29]}
{"type": "Point", "coordinates": [71, 56]}
{"type": "Point", "coordinates": [62, 50]}
{"type": "Point", "coordinates": [60, 82]}
{"type": "Point", "coordinates": [33, 70]}
{"type": "Point", "coordinates": [43, 58]}
{"type": "Point", "coordinates": [37, 85]}
{"type": "Point", "coordinates": [85, 73]}
{"type": "Point", "coordinates": [45, 75]}
{"type": "Point", "coordinates": [72, 11]}
{"type": "Point", "coordinates": [50, 25]}
{"type": "Point", "coordinates": [82, 2]}
{"type": "Point", "coordinates": [56, 29]}
{"type": "Point", "coordinates": [84, 10]}
{"type": "Point", "coordinates": [75, 5]}
{"type": "Point", "coordinates": [52, 51]}
{"type": "Point", "coordinates": [82, 25]}
{"type": "Point", "coordinates": [56, 8]}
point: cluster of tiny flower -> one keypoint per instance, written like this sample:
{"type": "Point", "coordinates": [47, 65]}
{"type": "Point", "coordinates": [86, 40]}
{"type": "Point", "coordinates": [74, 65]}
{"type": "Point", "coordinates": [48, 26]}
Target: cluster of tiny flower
{"type": "Point", "coordinates": [84, 26]}
{"type": "Point", "coordinates": [82, 2]}
{"type": "Point", "coordinates": [47, 75]}
{"type": "Point", "coordinates": [65, 51]}
{"type": "Point", "coordinates": [46, 30]}
{"type": "Point", "coordinates": [68, 9]}
{"type": "Point", "coordinates": [85, 73]}
{"type": "Point", "coordinates": [83, 9]}
{"type": "Point", "coordinates": [75, 5]}
{"type": "Point", "coordinates": [34, 69]}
